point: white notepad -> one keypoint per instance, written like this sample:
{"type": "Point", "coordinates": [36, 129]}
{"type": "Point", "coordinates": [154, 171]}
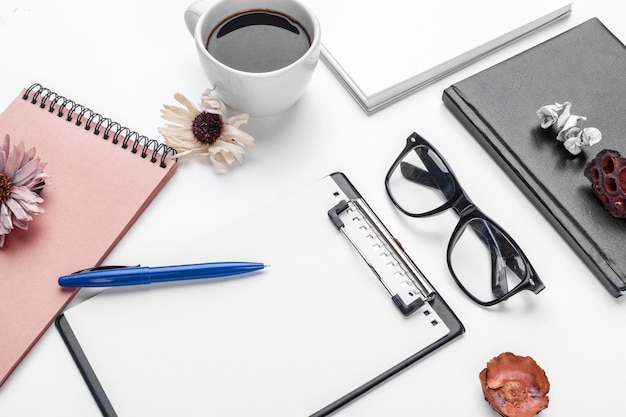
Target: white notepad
{"type": "Point", "coordinates": [313, 328]}
{"type": "Point", "coordinates": [383, 51]}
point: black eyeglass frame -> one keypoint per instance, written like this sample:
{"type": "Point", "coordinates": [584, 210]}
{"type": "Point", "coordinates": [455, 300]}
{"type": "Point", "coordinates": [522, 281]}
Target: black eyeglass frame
{"type": "Point", "coordinates": [460, 202]}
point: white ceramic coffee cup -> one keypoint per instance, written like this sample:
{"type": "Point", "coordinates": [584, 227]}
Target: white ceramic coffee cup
{"type": "Point", "coordinates": [257, 93]}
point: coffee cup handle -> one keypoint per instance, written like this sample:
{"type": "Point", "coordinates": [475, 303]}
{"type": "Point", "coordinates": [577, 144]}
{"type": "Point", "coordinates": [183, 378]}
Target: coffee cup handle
{"type": "Point", "coordinates": [193, 13]}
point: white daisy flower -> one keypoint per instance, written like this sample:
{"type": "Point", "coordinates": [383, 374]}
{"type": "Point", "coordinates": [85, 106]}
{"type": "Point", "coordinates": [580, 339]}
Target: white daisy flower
{"type": "Point", "coordinates": [203, 130]}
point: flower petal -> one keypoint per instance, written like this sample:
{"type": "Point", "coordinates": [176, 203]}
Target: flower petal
{"type": "Point", "coordinates": [25, 194]}
{"type": "Point", "coordinates": [571, 121]}
{"type": "Point", "coordinates": [238, 120]}
{"type": "Point", "coordinates": [5, 219]}
{"type": "Point", "coordinates": [5, 144]}
{"type": "Point", "coordinates": [548, 116]}
{"type": "Point", "coordinates": [21, 224]}
{"type": "Point", "coordinates": [26, 172]}
{"type": "Point", "coordinates": [193, 109]}
{"type": "Point", "coordinates": [240, 136]}
{"type": "Point", "coordinates": [4, 151]}
{"type": "Point", "coordinates": [18, 211]}
{"type": "Point", "coordinates": [211, 102]}
{"type": "Point", "coordinates": [573, 145]}
{"type": "Point", "coordinates": [591, 136]}
{"type": "Point", "coordinates": [224, 154]}
{"type": "Point", "coordinates": [564, 111]}
{"type": "Point", "coordinates": [568, 133]}
{"type": "Point", "coordinates": [178, 115]}
{"type": "Point", "coordinates": [14, 159]}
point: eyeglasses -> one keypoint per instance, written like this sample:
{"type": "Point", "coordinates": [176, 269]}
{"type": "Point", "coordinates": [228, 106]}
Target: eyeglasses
{"type": "Point", "coordinates": [420, 183]}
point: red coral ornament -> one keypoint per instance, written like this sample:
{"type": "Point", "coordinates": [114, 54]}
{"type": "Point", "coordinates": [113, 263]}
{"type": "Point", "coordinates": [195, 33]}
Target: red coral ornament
{"type": "Point", "coordinates": [607, 174]}
{"type": "Point", "coordinates": [515, 386]}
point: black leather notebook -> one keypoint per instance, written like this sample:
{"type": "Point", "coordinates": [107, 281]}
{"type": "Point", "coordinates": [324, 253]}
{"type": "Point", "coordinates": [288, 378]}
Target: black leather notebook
{"type": "Point", "coordinates": [586, 66]}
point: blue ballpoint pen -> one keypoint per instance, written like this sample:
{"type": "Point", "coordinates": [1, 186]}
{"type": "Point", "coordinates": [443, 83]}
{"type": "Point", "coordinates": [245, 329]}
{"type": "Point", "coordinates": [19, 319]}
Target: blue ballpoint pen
{"type": "Point", "coordinates": [116, 276]}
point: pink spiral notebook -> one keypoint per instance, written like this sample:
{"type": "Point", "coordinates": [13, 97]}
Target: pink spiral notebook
{"type": "Point", "coordinates": [103, 176]}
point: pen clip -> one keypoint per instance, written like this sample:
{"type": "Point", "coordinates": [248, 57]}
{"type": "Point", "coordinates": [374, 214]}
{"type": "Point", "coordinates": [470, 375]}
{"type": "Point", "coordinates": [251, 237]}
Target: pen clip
{"type": "Point", "coordinates": [100, 268]}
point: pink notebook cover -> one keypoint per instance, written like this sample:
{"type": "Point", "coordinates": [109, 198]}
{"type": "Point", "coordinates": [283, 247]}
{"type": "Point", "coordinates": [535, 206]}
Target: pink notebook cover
{"type": "Point", "coordinates": [96, 191]}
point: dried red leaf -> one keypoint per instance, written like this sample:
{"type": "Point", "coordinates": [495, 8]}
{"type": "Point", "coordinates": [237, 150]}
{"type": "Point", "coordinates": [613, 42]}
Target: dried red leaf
{"type": "Point", "coordinates": [515, 386]}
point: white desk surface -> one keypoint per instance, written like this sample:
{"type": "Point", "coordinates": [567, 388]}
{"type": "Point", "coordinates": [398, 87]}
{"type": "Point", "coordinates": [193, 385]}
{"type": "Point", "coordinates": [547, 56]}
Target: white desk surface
{"type": "Point", "coordinates": [125, 59]}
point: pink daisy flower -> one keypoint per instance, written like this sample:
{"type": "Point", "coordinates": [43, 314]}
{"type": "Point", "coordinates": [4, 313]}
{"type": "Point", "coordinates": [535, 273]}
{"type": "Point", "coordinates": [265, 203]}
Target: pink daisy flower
{"type": "Point", "coordinates": [21, 179]}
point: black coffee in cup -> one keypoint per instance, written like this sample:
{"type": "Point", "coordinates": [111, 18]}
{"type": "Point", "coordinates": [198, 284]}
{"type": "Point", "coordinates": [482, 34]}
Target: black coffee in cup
{"type": "Point", "coordinates": [258, 41]}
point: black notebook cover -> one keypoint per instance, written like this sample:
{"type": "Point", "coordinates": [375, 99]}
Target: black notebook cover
{"type": "Point", "coordinates": [586, 66]}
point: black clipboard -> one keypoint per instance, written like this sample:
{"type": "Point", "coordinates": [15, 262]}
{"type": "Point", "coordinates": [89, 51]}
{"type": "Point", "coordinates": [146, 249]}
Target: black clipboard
{"type": "Point", "coordinates": [384, 298]}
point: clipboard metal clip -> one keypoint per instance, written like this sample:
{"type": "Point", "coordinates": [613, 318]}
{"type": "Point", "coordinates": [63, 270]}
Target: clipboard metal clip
{"type": "Point", "coordinates": [383, 253]}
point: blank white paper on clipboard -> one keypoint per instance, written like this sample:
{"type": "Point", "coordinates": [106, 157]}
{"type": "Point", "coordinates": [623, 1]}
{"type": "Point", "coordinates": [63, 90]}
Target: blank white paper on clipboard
{"type": "Point", "coordinates": [314, 327]}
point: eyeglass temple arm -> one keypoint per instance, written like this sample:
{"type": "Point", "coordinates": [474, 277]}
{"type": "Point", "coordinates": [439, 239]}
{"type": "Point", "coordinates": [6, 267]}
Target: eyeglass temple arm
{"type": "Point", "coordinates": [499, 283]}
{"type": "Point", "coordinates": [433, 177]}
{"type": "Point", "coordinates": [417, 175]}
{"type": "Point", "coordinates": [504, 257]}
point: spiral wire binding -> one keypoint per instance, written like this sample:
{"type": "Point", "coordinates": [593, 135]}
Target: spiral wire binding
{"type": "Point", "coordinates": [90, 118]}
